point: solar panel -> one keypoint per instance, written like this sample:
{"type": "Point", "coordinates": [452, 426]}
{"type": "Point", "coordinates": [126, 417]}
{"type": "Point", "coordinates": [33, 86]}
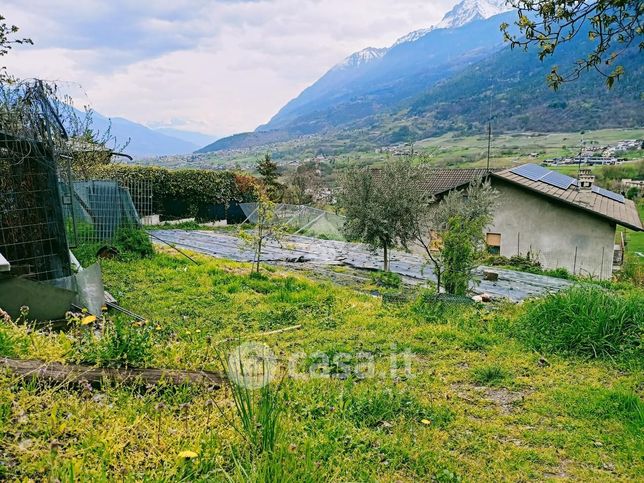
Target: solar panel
{"type": "Point", "coordinates": [608, 194]}
{"type": "Point", "coordinates": [558, 180]}
{"type": "Point", "coordinates": [530, 171]}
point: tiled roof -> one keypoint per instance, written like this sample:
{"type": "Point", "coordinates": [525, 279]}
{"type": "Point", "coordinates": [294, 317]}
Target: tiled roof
{"type": "Point", "coordinates": [439, 180]}
{"type": "Point", "coordinates": [624, 214]}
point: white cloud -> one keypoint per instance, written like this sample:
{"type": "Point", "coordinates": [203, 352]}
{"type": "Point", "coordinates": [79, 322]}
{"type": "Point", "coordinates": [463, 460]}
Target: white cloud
{"type": "Point", "coordinates": [219, 66]}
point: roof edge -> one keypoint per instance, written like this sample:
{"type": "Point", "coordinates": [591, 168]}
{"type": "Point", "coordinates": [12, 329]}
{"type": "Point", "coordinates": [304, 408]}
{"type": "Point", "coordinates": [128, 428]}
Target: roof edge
{"type": "Point", "coordinates": [574, 205]}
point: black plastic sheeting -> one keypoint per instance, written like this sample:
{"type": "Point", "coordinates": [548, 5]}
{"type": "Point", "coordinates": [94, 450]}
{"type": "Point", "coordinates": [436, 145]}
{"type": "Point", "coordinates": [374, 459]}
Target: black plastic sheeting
{"type": "Point", "coordinates": [512, 285]}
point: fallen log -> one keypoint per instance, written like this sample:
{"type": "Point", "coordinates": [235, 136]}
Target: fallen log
{"type": "Point", "coordinates": [69, 374]}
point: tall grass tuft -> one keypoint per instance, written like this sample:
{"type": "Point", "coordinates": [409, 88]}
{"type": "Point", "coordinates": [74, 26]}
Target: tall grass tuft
{"type": "Point", "coordinates": [586, 321]}
{"type": "Point", "coordinates": [257, 420]}
{"type": "Point", "coordinates": [489, 375]}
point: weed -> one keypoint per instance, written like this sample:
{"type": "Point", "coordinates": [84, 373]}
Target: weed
{"type": "Point", "coordinates": [7, 348]}
{"type": "Point", "coordinates": [478, 342]}
{"type": "Point", "coordinates": [121, 344]}
{"type": "Point", "coordinates": [603, 404]}
{"type": "Point", "coordinates": [132, 242]}
{"type": "Point", "coordinates": [371, 408]}
{"type": "Point", "coordinates": [489, 375]}
{"type": "Point", "coordinates": [386, 279]}
{"type": "Point", "coordinates": [585, 321]}
{"type": "Point", "coordinates": [258, 420]}
{"type": "Point", "coordinates": [434, 308]}
{"type": "Point", "coordinates": [12, 340]}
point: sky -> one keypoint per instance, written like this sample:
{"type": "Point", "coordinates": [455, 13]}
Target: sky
{"type": "Point", "coordinates": [213, 66]}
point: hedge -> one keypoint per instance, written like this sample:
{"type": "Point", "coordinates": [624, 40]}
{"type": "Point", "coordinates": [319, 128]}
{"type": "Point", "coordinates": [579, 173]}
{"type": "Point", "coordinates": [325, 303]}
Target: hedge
{"type": "Point", "coordinates": [192, 188]}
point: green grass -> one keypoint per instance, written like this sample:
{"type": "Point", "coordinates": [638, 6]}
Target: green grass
{"type": "Point", "coordinates": [445, 419]}
{"type": "Point", "coordinates": [489, 375]}
{"type": "Point", "coordinates": [588, 322]}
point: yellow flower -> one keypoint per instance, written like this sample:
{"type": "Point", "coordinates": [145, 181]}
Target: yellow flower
{"type": "Point", "coordinates": [426, 422]}
{"type": "Point", "coordinates": [104, 308]}
{"type": "Point", "coordinates": [188, 455]}
{"type": "Point", "coordinates": [158, 327]}
{"type": "Point", "coordinates": [89, 319]}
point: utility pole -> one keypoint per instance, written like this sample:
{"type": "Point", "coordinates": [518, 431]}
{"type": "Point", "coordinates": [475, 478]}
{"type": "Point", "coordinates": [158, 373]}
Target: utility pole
{"type": "Point", "coordinates": [581, 150]}
{"type": "Point", "coordinates": [489, 134]}
{"type": "Point", "coordinates": [489, 143]}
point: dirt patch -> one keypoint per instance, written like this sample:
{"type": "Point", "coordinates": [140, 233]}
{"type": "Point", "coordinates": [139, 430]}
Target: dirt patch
{"type": "Point", "coordinates": [507, 401]}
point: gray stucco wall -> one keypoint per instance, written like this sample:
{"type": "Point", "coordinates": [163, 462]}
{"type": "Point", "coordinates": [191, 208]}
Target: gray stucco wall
{"type": "Point", "coordinates": [552, 231]}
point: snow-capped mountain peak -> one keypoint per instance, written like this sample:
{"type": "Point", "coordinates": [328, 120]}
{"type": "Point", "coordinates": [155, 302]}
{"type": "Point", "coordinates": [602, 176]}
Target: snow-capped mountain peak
{"type": "Point", "coordinates": [362, 57]}
{"type": "Point", "coordinates": [413, 36]}
{"type": "Point", "coordinates": [462, 13]}
{"type": "Point", "coordinates": [469, 10]}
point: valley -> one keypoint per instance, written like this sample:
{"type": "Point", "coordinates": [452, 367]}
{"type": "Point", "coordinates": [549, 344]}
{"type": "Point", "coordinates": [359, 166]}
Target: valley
{"type": "Point", "coordinates": [448, 150]}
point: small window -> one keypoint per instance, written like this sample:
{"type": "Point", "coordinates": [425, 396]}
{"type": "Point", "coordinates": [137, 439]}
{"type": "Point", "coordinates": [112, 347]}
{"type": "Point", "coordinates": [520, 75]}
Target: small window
{"type": "Point", "coordinates": [493, 242]}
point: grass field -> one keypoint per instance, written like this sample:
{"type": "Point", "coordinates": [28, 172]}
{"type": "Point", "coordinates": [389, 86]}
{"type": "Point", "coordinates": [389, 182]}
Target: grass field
{"type": "Point", "coordinates": [635, 241]}
{"type": "Point", "coordinates": [509, 149]}
{"type": "Point", "coordinates": [477, 403]}
{"type": "Point", "coordinates": [447, 150]}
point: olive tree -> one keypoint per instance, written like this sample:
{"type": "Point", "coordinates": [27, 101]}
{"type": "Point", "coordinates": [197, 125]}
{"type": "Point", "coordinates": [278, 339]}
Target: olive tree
{"type": "Point", "coordinates": [381, 206]}
{"type": "Point", "coordinates": [451, 234]}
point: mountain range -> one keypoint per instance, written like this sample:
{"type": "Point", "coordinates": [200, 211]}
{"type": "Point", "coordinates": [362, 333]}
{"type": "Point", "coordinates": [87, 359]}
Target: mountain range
{"type": "Point", "coordinates": [145, 141]}
{"type": "Point", "coordinates": [452, 76]}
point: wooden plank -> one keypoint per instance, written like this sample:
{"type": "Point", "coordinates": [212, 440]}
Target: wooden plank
{"type": "Point", "coordinates": [64, 374]}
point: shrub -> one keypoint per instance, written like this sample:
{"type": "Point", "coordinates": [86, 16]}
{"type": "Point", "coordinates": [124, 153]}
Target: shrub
{"type": "Point", "coordinates": [585, 321]}
{"type": "Point", "coordinates": [559, 273]}
{"type": "Point", "coordinates": [133, 242]}
{"type": "Point", "coordinates": [386, 279]}
{"type": "Point", "coordinates": [192, 187]}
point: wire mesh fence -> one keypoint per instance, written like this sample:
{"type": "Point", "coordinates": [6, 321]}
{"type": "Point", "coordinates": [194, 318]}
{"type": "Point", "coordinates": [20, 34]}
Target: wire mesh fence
{"type": "Point", "coordinates": [98, 209]}
{"type": "Point", "coordinates": [303, 220]}
{"type": "Point", "coordinates": [32, 231]}
{"type": "Point", "coordinates": [142, 196]}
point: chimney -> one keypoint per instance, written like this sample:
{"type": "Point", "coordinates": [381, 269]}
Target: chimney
{"type": "Point", "coordinates": [586, 179]}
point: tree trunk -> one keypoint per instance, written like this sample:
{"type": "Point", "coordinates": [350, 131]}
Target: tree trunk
{"type": "Point", "coordinates": [386, 257]}
{"type": "Point", "coordinates": [57, 373]}
{"type": "Point", "coordinates": [259, 253]}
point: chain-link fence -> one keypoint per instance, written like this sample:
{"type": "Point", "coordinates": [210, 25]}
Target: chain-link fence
{"type": "Point", "coordinates": [303, 220]}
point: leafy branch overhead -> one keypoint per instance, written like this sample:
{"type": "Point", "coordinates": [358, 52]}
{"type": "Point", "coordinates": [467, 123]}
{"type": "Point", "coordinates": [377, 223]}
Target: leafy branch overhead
{"type": "Point", "coordinates": [7, 40]}
{"type": "Point", "coordinates": [612, 27]}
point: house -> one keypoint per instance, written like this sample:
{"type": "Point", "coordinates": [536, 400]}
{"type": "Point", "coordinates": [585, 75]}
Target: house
{"type": "Point", "coordinates": [562, 221]}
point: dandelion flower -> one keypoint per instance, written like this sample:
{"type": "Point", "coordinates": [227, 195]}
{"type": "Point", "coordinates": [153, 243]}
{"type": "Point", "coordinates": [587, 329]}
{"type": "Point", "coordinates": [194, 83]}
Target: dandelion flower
{"type": "Point", "coordinates": [188, 455]}
{"type": "Point", "coordinates": [89, 319]}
